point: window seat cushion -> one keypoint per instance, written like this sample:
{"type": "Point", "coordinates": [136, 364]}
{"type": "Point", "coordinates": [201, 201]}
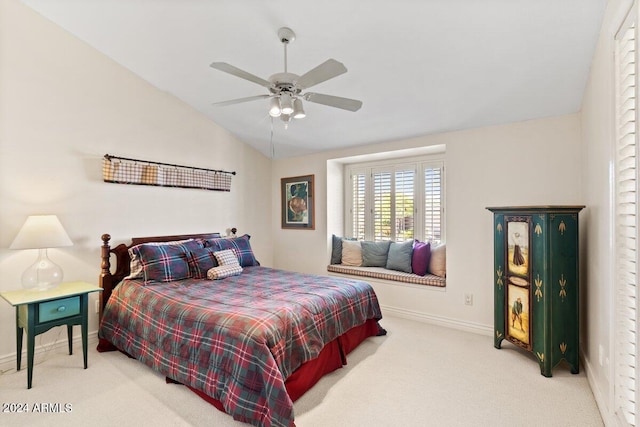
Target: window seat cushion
{"type": "Point", "coordinates": [383, 273]}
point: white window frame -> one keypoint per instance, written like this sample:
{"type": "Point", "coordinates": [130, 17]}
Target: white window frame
{"type": "Point", "coordinates": [367, 169]}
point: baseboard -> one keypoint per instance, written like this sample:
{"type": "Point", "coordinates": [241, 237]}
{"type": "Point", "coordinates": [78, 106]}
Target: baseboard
{"type": "Point", "coordinates": [601, 397]}
{"type": "Point", "coordinates": [462, 325]}
{"type": "Point", "coordinates": [8, 361]}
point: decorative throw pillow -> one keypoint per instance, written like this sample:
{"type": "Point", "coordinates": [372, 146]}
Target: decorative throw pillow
{"type": "Point", "coordinates": [351, 253]}
{"type": "Point", "coordinates": [399, 257]}
{"type": "Point", "coordinates": [374, 254]}
{"type": "Point", "coordinates": [438, 262]}
{"type": "Point", "coordinates": [201, 261]}
{"type": "Point", "coordinates": [164, 263]}
{"type": "Point", "coordinates": [240, 245]}
{"type": "Point", "coordinates": [223, 271]}
{"type": "Point", "coordinates": [420, 258]}
{"type": "Point", "coordinates": [336, 248]}
{"type": "Point", "coordinates": [135, 267]}
{"type": "Point", "coordinates": [226, 257]}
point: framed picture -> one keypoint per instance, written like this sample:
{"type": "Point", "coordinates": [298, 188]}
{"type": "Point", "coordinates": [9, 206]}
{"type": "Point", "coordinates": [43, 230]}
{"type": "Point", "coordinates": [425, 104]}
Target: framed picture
{"type": "Point", "coordinates": [518, 244]}
{"type": "Point", "coordinates": [297, 202]}
{"type": "Point", "coordinates": [518, 309]}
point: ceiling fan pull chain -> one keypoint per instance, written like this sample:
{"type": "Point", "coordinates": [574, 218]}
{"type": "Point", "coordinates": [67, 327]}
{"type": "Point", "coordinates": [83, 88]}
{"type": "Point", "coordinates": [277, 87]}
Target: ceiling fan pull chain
{"type": "Point", "coordinates": [273, 150]}
{"type": "Point", "coordinates": [285, 56]}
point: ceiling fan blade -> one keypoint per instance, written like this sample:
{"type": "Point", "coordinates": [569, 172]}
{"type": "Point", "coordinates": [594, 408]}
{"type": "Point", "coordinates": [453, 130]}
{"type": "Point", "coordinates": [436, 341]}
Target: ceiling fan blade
{"type": "Point", "coordinates": [325, 71]}
{"type": "Point", "coordinates": [333, 101]}
{"type": "Point", "coordinates": [239, 100]}
{"type": "Point", "coordinates": [228, 68]}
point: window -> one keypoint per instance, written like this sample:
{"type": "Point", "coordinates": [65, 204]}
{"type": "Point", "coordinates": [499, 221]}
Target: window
{"type": "Point", "coordinates": [626, 224]}
{"type": "Point", "coordinates": [396, 201]}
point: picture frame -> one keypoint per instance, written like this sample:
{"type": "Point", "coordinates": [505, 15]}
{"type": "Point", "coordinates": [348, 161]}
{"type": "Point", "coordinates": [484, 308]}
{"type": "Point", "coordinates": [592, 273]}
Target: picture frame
{"type": "Point", "coordinates": [297, 202]}
{"type": "Point", "coordinates": [518, 242]}
{"type": "Point", "coordinates": [518, 311]}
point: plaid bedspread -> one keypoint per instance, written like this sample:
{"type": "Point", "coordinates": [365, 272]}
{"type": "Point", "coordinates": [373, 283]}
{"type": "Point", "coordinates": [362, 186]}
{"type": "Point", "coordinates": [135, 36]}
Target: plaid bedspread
{"type": "Point", "coordinates": [237, 339]}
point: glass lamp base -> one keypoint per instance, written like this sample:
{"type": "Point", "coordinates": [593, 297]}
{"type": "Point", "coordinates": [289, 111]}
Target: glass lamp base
{"type": "Point", "coordinates": [43, 274]}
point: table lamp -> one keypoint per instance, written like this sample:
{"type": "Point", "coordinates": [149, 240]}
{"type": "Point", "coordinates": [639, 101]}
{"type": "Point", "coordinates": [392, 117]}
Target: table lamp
{"type": "Point", "coordinates": [41, 232]}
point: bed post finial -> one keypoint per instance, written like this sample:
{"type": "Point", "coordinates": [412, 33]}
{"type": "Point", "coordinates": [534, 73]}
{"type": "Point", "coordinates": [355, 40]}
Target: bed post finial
{"type": "Point", "coordinates": [106, 250]}
{"type": "Point", "coordinates": [105, 274]}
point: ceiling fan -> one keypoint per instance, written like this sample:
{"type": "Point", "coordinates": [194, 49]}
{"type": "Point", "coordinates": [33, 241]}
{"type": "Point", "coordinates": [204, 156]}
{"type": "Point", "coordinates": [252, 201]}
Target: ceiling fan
{"type": "Point", "coordinates": [287, 90]}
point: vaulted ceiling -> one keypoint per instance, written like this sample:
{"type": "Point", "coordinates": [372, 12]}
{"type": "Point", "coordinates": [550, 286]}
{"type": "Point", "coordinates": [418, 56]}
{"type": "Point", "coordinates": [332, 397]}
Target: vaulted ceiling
{"type": "Point", "coordinates": [419, 67]}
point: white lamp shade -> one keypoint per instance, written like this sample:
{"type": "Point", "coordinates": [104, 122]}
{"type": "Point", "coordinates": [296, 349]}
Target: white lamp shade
{"type": "Point", "coordinates": [274, 107]}
{"type": "Point", "coordinates": [41, 231]}
{"type": "Point", "coordinates": [298, 109]}
{"type": "Point", "coordinates": [286, 103]}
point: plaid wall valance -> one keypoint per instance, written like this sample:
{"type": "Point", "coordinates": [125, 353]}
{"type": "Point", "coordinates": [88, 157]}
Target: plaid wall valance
{"type": "Point", "coordinates": [122, 170]}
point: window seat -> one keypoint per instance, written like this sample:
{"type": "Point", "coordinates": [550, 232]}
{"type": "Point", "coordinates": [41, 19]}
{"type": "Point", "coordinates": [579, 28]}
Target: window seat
{"type": "Point", "coordinates": [393, 275]}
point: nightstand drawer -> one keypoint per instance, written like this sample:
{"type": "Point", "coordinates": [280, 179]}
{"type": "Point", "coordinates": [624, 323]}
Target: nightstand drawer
{"type": "Point", "coordinates": [58, 309]}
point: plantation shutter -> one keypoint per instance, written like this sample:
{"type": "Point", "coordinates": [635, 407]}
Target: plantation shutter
{"type": "Point", "coordinates": [626, 225]}
{"type": "Point", "coordinates": [358, 188]}
{"type": "Point", "coordinates": [433, 203]}
{"type": "Point", "coordinates": [382, 205]}
{"type": "Point", "coordinates": [386, 201]}
{"type": "Point", "coordinates": [404, 202]}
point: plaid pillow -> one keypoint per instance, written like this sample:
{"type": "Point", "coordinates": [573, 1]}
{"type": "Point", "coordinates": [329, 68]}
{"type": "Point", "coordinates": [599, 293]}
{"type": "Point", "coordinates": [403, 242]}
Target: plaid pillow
{"type": "Point", "coordinates": [240, 245]}
{"type": "Point", "coordinates": [165, 263]}
{"type": "Point", "coordinates": [135, 267]}
{"type": "Point", "coordinates": [223, 271]}
{"type": "Point", "coordinates": [201, 261]}
{"type": "Point", "coordinates": [227, 257]}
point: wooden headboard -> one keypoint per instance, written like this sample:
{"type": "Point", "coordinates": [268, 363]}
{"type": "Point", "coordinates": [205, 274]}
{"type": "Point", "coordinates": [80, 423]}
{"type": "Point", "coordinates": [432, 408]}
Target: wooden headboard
{"type": "Point", "coordinates": [108, 280]}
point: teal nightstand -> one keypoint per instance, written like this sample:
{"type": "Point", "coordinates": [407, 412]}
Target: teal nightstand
{"type": "Point", "coordinates": [38, 311]}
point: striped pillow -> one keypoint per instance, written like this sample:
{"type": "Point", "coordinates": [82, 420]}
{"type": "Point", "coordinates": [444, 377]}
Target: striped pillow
{"type": "Point", "coordinates": [223, 271]}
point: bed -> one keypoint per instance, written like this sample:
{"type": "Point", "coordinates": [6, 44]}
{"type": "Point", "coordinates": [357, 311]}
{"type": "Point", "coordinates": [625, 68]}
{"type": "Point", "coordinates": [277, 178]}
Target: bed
{"type": "Point", "coordinates": [250, 343]}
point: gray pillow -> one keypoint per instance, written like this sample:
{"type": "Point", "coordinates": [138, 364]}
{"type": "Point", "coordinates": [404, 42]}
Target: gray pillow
{"type": "Point", "coordinates": [374, 254]}
{"type": "Point", "coordinates": [336, 248]}
{"type": "Point", "coordinates": [399, 257]}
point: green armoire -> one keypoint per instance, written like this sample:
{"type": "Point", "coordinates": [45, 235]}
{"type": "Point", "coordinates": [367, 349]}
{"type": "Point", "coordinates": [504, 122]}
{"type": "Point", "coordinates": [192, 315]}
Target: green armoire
{"type": "Point", "coordinates": [536, 300]}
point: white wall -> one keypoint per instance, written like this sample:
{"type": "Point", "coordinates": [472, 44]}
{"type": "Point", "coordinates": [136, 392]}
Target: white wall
{"type": "Point", "coordinates": [63, 105]}
{"type": "Point", "coordinates": [528, 163]}
{"type": "Point", "coordinates": [597, 261]}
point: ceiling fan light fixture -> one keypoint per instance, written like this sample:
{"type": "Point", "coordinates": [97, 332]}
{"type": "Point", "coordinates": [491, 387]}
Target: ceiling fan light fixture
{"type": "Point", "coordinates": [286, 104]}
{"type": "Point", "coordinates": [274, 107]}
{"type": "Point", "coordinates": [287, 90]}
{"type": "Point", "coordinates": [298, 109]}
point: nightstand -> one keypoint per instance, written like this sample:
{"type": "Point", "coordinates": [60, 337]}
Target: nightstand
{"type": "Point", "coordinates": [38, 311]}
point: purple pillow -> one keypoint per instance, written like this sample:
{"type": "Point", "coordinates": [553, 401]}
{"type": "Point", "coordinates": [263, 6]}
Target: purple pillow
{"type": "Point", "coordinates": [420, 258]}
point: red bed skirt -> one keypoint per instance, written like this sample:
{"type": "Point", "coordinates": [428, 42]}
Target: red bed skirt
{"type": "Point", "coordinates": [332, 357]}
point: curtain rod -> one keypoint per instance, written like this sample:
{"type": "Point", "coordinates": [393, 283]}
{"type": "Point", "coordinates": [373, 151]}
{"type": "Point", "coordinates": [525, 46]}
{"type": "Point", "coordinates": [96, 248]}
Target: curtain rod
{"type": "Point", "coordinates": [109, 157]}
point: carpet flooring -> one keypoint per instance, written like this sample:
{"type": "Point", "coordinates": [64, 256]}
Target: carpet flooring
{"type": "Point", "coordinates": [418, 375]}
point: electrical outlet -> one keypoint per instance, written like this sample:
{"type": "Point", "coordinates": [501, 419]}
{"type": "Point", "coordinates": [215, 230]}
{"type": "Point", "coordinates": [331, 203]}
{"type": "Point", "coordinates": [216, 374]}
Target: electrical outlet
{"type": "Point", "coordinates": [468, 299]}
{"type": "Point", "coordinates": [97, 306]}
